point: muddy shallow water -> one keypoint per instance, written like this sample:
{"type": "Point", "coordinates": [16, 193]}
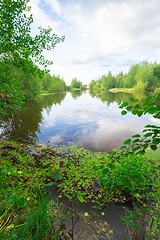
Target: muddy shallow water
{"type": "Point", "coordinates": [89, 222]}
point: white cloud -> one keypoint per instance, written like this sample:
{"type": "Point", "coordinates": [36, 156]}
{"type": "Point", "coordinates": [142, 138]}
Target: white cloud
{"type": "Point", "coordinates": [100, 35]}
{"type": "Point", "coordinates": [55, 5]}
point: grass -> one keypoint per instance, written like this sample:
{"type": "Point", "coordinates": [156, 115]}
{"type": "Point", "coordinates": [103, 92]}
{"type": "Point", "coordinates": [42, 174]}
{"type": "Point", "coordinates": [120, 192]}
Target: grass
{"type": "Point", "coordinates": [125, 90]}
{"type": "Point", "coordinates": [81, 175]}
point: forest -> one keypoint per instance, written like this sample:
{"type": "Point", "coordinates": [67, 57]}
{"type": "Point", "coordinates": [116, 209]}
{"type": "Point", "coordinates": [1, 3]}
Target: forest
{"type": "Point", "coordinates": [142, 76]}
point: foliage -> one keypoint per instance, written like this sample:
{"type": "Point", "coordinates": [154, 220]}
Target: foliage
{"type": "Point", "coordinates": [22, 202]}
{"type": "Point", "coordinates": [36, 221]}
{"type": "Point", "coordinates": [92, 84]}
{"type": "Point", "coordinates": [138, 145]}
{"type": "Point", "coordinates": [19, 51]}
{"type": "Point", "coordinates": [128, 178]}
{"type": "Point", "coordinates": [151, 137]}
{"type": "Point", "coordinates": [76, 84]}
{"type": "Point", "coordinates": [142, 76]}
{"type": "Point", "coordinates": [81, 175]}
{"type": "Point", "coordinates": [134, 152]}
{"type": "Point", "coordinates": [53, 84]}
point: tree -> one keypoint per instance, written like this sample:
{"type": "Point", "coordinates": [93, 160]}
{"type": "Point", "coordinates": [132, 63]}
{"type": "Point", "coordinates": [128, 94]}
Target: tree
{"type": "Point", "coordinates": [92, 84]}
{"type": "Point", "coordinates": [111, 81]}
{"type": "Point", "coordinates": [58, 85]}
{"type": "Point", "coordinates": [120, 80]}
{"type": "Point", "coordinates": [156, 68]}
{"type": "Point", "coordinates": [19, 50]}
{"type": "Point", "coordinates": [145, 74]}
{"type": "Point", "coordinates": [104, 82]}
{"type": "Point", "coordinates": [76, 84]}
{"type": "Point", "coordinates": [130, 77]}
{"type": "Point", "coordinates": [47, 82]}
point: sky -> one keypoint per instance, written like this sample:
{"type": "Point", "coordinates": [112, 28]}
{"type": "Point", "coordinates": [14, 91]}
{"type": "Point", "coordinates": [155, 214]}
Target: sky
{"type": "Point", "coordinates": [100, 35]}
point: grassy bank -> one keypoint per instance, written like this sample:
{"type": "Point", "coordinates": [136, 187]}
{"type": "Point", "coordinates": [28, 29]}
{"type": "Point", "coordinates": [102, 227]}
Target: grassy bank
{"type": "Point", "coordinates": [26, 211]}
{"type": "Point", "coordinates": [125, 90]}
{"type": "Point", "coordinates": [42, 93]}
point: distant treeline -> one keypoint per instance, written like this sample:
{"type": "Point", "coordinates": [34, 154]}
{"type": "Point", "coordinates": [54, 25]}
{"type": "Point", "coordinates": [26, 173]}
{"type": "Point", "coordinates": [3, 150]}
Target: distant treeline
{"type": "Point", "coordinates": [33, 85]}
{"type": "Point", "coordinates": [53, 84]}
{"type": "Point", "coordinates": [143, 76]}
{"type": "Point", "coordinates": [76, 85]}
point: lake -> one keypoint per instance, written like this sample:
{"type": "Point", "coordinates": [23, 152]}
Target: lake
{"type": "Point", "coordinates": [89, 121]}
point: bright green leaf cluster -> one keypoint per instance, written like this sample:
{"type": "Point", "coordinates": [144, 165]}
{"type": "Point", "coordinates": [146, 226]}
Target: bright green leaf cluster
{"type": "Point", "coordinates": [19, 53]}
{"type": "Point", "coordinates": [151, 138]}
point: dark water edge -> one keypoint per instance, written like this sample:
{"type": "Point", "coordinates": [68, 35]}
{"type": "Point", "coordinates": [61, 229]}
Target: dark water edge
{"type": "Point", "coordinates": [108, 220]}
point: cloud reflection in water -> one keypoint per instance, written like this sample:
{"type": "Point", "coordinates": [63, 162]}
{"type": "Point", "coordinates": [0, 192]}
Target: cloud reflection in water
{"type": "Point", "coordinates": [89, 122]}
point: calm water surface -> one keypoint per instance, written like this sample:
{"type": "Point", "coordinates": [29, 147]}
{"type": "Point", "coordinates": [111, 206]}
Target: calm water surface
{"type": "Point", "coordinates": [92, 122]}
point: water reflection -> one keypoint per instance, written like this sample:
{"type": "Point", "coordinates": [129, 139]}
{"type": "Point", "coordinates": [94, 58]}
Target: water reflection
{"type": "Point", "coordinates": [95, 122]}
{"type": "Point", "coordinates": [26, 125]}
{"type": "Point", "coordinates": [76, 94]}
{"type": "Point", "coordinates": [109, 97]}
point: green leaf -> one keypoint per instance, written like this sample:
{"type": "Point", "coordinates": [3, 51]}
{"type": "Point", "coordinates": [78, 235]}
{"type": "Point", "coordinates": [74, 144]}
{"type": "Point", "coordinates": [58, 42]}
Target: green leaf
{"type": "Point", "coordinates": [49, 184]}
{"type": "Point", "coordinates": [152, 110]}
{"type": "Point", "coordinates": [153, 147]}
{"type": "Point", "coordinates": [139, 113]}
{"type": "Point", "coordinates": [137, 195]}
{"type": "Point", "coordinates": [157, 115]}
{"type": "Point", "coordinates": [145, 130]}
{"type": "Point", "coordinates": [156, 140]}
{"type": "Point", "coordinates": [156, 131]}
{"type": "Point", "coordinates": [136, 136]}
{"type": "Point", "coordinates": [128, 141]}
{"type": "Point", "coordinates": [134, 100]}
{"type": "Point", "coordinates": [148, 134]}
{"type": "Point", "coordinates": [20, 202]}
{"type": "Point", "coordinates": [142, 152]}
{"type": "Point", "coordinates": [79, 196]}
{"type": "Point", "coordinates": [158, 108]}
{"type": "Point", "coordinates": [145, 146]}
{"type": "Point", "coordinates": [56, 175]}
{"type": "Point", "coordinates": [150, 126]}
{"type": "Point", "coordinates": [105, 171]}
{"type": "Point", "coordinates": [157, 97]}
{"type": "Point", "coordinates": [136, 140]}
{"type": "Point", "coordinates": [147, 141]}
{"type": "Point", "coordinates": [70, 197]}
{"type": "Point", "coordinates": [124, 112]}
{"type": "Point", "coordinates": [124, 104]}
{"type": "Point", "coordinates": [136, 106]}
{"type": "Point", "coordinates": [129, 108]}
{"type": "Point", "coordinates": [134, 112]}
{"type": "Point", "coordinates": [147, 98]}
{"type": "Point", "coordinates": [123, 147]}
{"type": "Point", "coordinates": [4, 170]}
{"type": "Point", "coordinates": [112, 166]}
{"type": "Point", "coordinates": [57, 165]}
